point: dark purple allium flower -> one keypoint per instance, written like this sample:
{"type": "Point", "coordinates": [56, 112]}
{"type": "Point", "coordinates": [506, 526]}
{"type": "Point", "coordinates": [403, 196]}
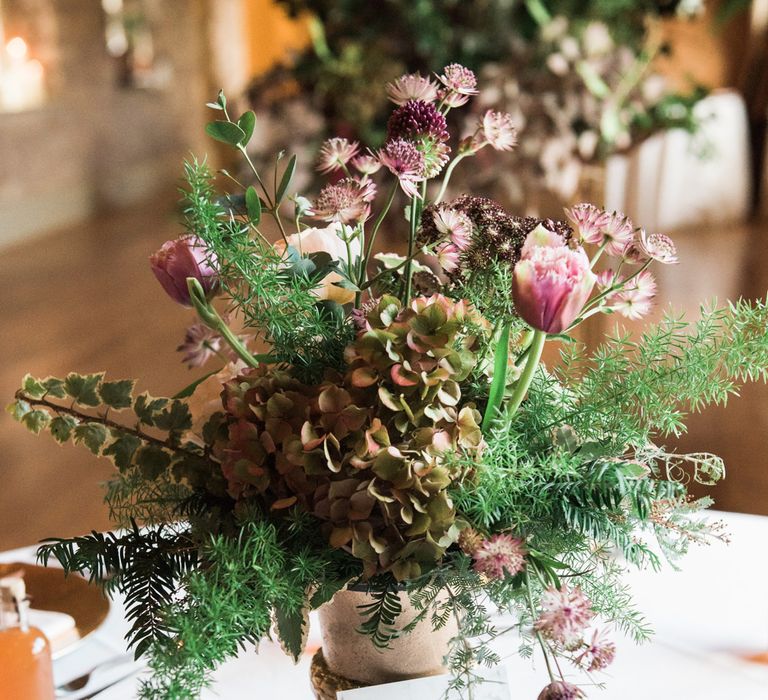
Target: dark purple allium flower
{"type": "Point", "coordinates": [416, 120]}
{"type": "Point", "coordinates": [179, 259]}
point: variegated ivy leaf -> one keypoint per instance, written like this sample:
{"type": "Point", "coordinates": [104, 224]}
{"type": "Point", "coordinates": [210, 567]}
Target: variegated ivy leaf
{"type": "Point", "coordinates": [152, 461]}
{"type": "Point", "coordinates": [175, 418]}
{"type": "Point", "coordinates": [147, 407]}
{"type": "Point", "coordinates": [36, 420]}
{"type": "Point", "coordinates": [117, 394]}
{"type": "Point", "coordinates": [92, 435]}
{"type": "Point", "coordinates": [122, 450]}
{"type": "Point", "coordinates": [83, 388]}
{"type": "Point", "coordinates": [18, 409]}
{"type": "Point", "coordinates": [61, 428]}
{"type": "Point", "coordinates": [32, 387]}
{"type": "Point", "coordinates": [292, 630]}
{"type": "Point", "coordinates": [54, 387]}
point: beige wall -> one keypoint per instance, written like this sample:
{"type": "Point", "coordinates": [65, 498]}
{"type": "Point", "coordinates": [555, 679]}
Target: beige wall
{"type": "Point", "coordinates": [95, 144]}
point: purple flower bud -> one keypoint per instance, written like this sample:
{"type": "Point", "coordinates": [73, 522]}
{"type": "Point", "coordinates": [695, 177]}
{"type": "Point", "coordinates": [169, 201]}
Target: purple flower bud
{"type": "Point", "coordinates": [182, 258]}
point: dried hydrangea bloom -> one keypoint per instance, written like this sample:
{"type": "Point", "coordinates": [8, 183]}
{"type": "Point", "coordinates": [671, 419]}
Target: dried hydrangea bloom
{"type": "Point", "coordinates": [411, 86]}
{"type": "Point", "coordinates": [416, 120]}
{"type": "Point", "coordinates": [654, 246]}
{"type": "Point", "coordinates": [499, 556]}
{"type": "Point", "coordinates": [405, 162]}
{"type": "Point", "coordinates": [560, 690]}
{"type": "Point", "coordinates": [498, 131]}
{"type": "Point", "coordinates": [589, 221]}
{"type": "Point", "coordinates": [346, 202]}
{"type": "Point", "coordinates": [366, 164]}
{"type": "Point", "coordinates": [335, 153]}
{"type": "Point", "coordinates": [566, 612]}
{"type": "Point", "coordinates": [200, 345]}
{"type": "Point", "coordinates": [598, 652]}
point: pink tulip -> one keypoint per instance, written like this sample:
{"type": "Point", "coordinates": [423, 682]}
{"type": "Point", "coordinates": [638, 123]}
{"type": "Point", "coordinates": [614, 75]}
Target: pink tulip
{"type": "Point", "coordinates": [552, 282]}
{"type": "Point", "coordinates": [182, 258]}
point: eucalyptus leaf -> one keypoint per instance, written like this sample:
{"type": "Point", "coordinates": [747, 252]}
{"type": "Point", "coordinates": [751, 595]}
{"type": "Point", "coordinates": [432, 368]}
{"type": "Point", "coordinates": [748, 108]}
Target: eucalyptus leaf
{"type": "Point", "coordinates": [253, 205]}
{"type": "Point", "coordinates": [286, 180]}
{"type": "Point", "coordinates": [226, 132]}
{"type": "Point", "coordinates": [247, 122]}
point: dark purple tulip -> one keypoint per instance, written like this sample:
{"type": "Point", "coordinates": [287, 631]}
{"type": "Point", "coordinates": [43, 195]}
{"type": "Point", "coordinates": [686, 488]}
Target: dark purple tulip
{"type": "Point", "coordinates": [182, 258]}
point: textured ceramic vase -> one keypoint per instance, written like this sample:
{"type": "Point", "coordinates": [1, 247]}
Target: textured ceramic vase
{"type": "Point", "coordinates": [353, 655]}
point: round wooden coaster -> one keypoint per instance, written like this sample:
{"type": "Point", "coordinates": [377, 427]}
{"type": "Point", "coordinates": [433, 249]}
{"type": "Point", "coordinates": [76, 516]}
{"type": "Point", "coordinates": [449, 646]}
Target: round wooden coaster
{"type": "Point", "coordinates": [325, 682]}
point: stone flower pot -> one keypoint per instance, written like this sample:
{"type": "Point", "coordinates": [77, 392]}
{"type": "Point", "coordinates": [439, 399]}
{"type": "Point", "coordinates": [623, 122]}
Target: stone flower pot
{"type": "Point", "coordinates": [353, 656]}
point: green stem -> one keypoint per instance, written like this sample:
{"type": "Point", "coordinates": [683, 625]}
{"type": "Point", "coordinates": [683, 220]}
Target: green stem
{"type": "Point", "coordinates": [538, 635]}
{"type": "Point", "coordinates": [416, 204]}
{"type": "Point", "coordinates": [378, 223]}
{"type": "Point", "coordinates": [496, 393]}
{"type": "Point", "coordinates": [597, 254]}
{"type": "Point", "coordinates": [447, 176]}
{"type": "Point", "coordinates": [538, 12]}
{"type": "Point", "coordinates": [211, 318]}
{"type": "Point", "coordinates": [521, 388]}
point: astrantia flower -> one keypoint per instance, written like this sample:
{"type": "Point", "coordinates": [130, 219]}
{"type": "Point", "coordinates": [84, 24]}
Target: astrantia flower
{"type": "Point", "coordinates": [335, 153]}
{"type": "Point", "coordinates": [617, 232]}
{"type": "Point", "coordinates": [598, 653]}
{"type": "Point", "coordinates": [405, 162]}
{"type": "Point", "coordinates": [654, 246]}
{"type": "Point", "coordinates": [565, 614]}
{"type": "Point", "coordinates": [589, 221]}
{"type": "Point", "coordinates": [606, 278]}
{"type": "Point", "coordinates": [417, 119]}
{"type": "Point", "coordinates": [179, 259]}
{"type": "Point", "coordinates": [367, 164]}
{"type": "Point", "coordinates": [644, 283]}
{"type": "Point", "coordinates": [631, 304]}
{"type": "Point", "coordinates": [497, 130]}
{"type": "Point", "coordinates": [455, 225]}
{"type": "Point", "coordinates": [448, 257]}
{"type": "Point", "coordinates": [436, 156]}
{"type": "Point", "coordinates": [460, 83]}
{"type": "Point", "coordinates": [346, 201]}
{"type": "Point", "coordinates": [551, 283]}
{"type": "Point", "coordinates": [200, 345]}
{"type": "Point", "coordinates": [500, 555]}
{"type": "Point", "coordinates": [560, 690]}
{"type": "Point", "coordinates": [411, 86]}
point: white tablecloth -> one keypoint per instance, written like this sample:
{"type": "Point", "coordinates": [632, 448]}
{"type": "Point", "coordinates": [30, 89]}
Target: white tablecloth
{"type": "Point", "coordinates": [706, 617]}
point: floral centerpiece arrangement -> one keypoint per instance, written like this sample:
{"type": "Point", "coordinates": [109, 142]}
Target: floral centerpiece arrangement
{"type": "Point", "coordinates": [384, 421]}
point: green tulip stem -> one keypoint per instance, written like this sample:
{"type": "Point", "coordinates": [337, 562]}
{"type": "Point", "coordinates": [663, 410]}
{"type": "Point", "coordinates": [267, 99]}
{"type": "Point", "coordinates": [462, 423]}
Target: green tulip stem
{"type": "Point", "coordinates": [211, 318]}
{"type": "Point", "coordinates": [521, 388]}
{"type": "Point", "coordinates": [496, 394]}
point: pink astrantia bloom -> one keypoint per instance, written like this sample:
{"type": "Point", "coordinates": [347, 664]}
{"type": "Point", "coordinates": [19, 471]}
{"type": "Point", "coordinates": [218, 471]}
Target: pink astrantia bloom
{"type": "Point", "coordinates": [411, 86]}
{"type": "Point", "coordinates": [497, 130]}
{"type": "Point", "coordinates": [405, 162]}
{"type": "Point", "coordinates": [589, 221]}
{"type": "Point", "coordinates": [565, 614]}
{"type": "Point", "coordinates": [455, 225]}
{"type": "Point", "coordinates": [335, 153]}
{"type": "Point", "coordinates": [654, 246]}
{"type": "Point", "coordinates": [499, 556]}
{"type": "Point", "coordinates": [644, 283]}
{"type": "Point", "coordinates": [179, 259]}
{"type": "Point", "coordinates": [606, 278]}
{"type": "Point", "coordinates": [551, 283]}
{"type": "Point", "coordinates": [366, 164]}
{"type": "Point", "coordinates": [631, 304]}
{"type": "Point", "coordinates": [200, 345]}
{"type": "Point", "coordinates": [448, 257]}
{"type": "Point", "coordinates": [598, 652]}
{"type": "Point", "coordinates": [346, 202]}
{"type": "Point", "coordinates": [460, 84]}
{"type": "Point", "coordinates": [560, 690]}
{"type": "Point", "coordinates": [617, 233]}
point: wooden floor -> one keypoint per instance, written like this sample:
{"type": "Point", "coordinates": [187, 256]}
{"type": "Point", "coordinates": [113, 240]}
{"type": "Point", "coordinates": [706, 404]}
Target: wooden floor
{"type": "Point", "coordinates": [84, 299]}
